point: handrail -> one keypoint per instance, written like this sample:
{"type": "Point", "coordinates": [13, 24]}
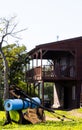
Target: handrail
{"type": "Point", "coordinates": [51, 71]}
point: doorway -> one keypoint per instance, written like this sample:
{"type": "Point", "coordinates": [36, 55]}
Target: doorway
{"type": "Point", "coordinates": [67, 97]}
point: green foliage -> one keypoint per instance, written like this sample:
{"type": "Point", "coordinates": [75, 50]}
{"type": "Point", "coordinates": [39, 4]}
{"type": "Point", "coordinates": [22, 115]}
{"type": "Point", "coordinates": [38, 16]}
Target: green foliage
{"type": "Point", "coordinates": [48, 90]}
{"type": "Point", "coordinates": [31, 88]}
{"type": "Point", "coordinates": [16, 57]}
{"type": "Point", "coordinates": [17, 65]}
{"type": "Point", "coordinates": [23, 85]}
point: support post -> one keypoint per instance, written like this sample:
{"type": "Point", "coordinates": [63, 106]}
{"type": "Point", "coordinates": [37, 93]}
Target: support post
{"type": "Point", "coordinates": [56, 103]}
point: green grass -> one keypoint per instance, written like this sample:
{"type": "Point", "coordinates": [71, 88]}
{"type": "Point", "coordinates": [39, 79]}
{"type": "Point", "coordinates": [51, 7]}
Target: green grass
{"type": "Point", "coordinates": [49, 125]}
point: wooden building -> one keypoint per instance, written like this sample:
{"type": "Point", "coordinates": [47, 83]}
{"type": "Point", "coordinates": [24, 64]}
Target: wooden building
{"type": "Point", "coordinates": [59, 62]}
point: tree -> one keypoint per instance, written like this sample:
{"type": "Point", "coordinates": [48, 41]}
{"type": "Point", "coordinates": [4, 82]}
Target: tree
{"type": "Point", "coordinates": [16, 57]}
{"type": "Point", "coordinates": [7, 29]}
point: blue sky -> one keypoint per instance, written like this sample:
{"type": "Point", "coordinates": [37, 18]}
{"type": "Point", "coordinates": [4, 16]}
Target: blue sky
{"type": "Point", "coordinates": [45, 19]}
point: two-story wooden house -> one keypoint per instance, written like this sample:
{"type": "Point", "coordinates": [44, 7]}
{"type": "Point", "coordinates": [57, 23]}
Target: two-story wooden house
{"type": "Point", "coordinates": [59, 62]}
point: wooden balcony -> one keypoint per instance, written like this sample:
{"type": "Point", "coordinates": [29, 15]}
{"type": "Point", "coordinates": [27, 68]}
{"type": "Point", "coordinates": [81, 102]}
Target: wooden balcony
{"type": "Point", "coordinates": [47, 72]}
{"type": "Point", "coordinates": [34, 74]}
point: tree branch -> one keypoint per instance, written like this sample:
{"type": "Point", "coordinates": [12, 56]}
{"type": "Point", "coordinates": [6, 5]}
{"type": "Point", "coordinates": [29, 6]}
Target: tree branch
{"type": "Point", "coordinates": [19, 31]}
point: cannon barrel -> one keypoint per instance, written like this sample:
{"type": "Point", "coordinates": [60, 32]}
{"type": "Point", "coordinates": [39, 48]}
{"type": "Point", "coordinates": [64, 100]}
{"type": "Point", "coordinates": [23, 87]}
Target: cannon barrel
{"type": "Point", "coordinates": [19, 104]}
{"type": "Point", "coordinates": [30, 101]}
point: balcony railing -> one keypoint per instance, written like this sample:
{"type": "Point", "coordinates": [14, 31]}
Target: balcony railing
{"type": "Point", "coordinates": [49, 71]}
{"type": "Point", "coordinates": [34, 74]}
{"type": "Point", "coordinates": [58, 71]}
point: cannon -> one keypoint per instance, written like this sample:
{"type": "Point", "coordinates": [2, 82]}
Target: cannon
{"type": "Point", "coordinates": [19, 104]}
{"type": "Point", "coordinates": [30, 106]}
{"type": "Point", "coordinates": [29, 110]}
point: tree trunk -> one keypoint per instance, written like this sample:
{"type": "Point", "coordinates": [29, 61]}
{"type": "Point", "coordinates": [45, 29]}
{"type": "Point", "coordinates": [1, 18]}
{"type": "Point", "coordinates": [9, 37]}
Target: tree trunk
{"type": "Point", "coordinates": [6, 85]}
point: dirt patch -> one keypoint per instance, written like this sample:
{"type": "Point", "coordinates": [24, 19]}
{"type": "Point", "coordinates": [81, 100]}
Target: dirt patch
{"type": "Point", "coordinates": [75, 113]}
{"type": "Point", "coordinates": [70, 115]}
{"type": "Point", "coordinates": [51, 119]}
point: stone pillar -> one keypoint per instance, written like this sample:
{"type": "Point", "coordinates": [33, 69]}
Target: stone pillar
{"type": "Point", "coordinates": [56, 102]}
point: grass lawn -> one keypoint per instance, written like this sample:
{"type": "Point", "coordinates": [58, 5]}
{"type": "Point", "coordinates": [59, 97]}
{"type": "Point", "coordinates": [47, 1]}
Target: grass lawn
{"type": "Point", "coordinates": [52, 122]}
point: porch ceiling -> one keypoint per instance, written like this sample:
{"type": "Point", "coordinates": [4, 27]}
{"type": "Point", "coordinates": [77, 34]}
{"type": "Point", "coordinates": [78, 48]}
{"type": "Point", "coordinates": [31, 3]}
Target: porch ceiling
{"type": "Point", "coordinates": [50, 54]}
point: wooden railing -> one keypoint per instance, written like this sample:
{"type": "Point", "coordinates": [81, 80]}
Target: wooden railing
{"type": "Point", "coordinates": [58, 71]}
{"type": "Point", "coordinates": [34, 74]}
{"type": "Point", "coordinates": [49, 71]}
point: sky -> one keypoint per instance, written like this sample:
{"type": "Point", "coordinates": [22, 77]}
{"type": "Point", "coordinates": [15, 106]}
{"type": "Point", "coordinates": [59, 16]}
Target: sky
{"type": "Point", "coordinates": [45, 20]}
